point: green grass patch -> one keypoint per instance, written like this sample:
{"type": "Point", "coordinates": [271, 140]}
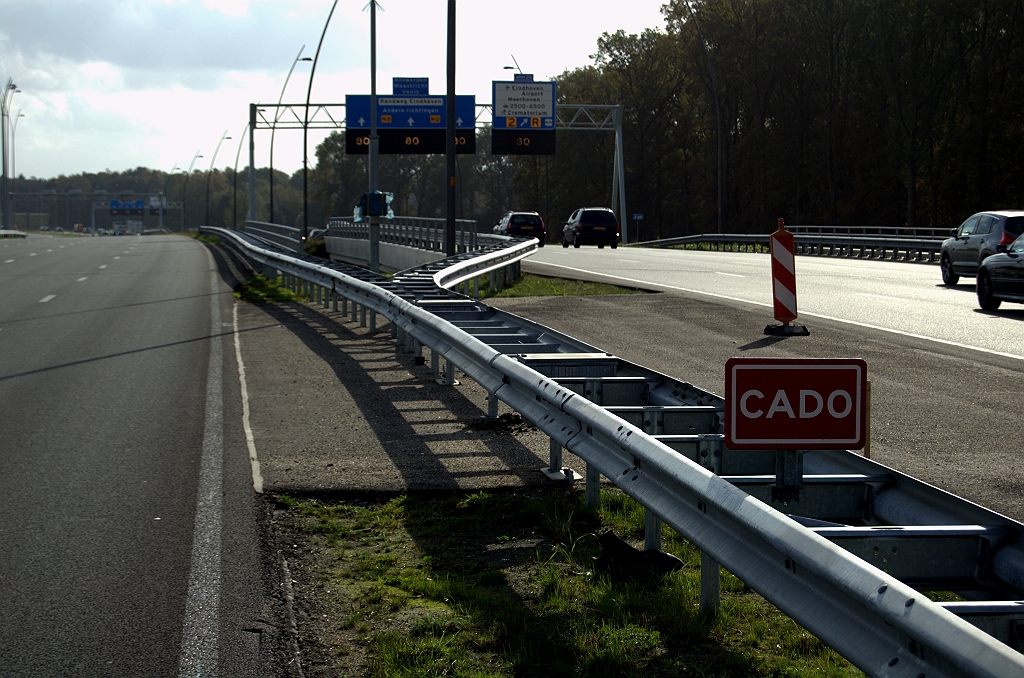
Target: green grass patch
{"type": "Point", "coordinates": [505, 585]}
{"type": "Point", "coordinates": [259, 290]}
{"type": "Point", "coordinates": [530, 285]}
{"type": "Point", "coordinates": [211, 239]}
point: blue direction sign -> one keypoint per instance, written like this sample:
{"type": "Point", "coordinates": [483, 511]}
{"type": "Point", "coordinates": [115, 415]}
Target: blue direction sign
{"type": "Point", "coordinates": [409, 112]}
{"type": "Point", "coordinates": [410, 87]}
{"type": "Point", "coordinates": [523, 105]}
{"type": "Point", "coordinates": [127, 207]}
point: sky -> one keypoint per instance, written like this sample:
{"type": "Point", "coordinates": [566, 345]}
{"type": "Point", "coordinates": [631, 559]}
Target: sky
{"type": "Point", "coordinates": [113, 85]}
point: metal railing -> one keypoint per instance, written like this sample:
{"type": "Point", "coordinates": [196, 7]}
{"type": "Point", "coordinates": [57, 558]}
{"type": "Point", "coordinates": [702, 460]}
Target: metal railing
{"type": "Point", "coordinates": [420, 232]}
{"type": "Point", "coordinates": [659, 439]}
{"type": "Point", "coordinates": [877, 231]}
{"type": "Point", "coordinates": [285, 236]}
{"type": "Point", "coordinates": [891, 247]}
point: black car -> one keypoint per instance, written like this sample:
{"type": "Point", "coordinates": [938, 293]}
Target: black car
{"type": "Point", "coordinates": [1001, 277]}
{"type": "Point", "coordinates": [522, 225]}
{"type": "Point", "coordinates": [591, 226]}
{"type": "Point", "coordinates": [981, 236]}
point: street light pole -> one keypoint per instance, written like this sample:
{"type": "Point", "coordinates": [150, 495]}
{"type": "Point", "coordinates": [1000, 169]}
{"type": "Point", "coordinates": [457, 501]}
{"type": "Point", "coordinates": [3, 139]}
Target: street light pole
{"type": "Point", "coordinates": [373, 159]}
{"type": "Point", "coordinates": [234, 182]}
{"type": "Point", "coordinates": [14, 157]}
{"type": "Point", "coordinates": [184, 188]}
{"type": "Point", "coordinates": [273, 127]}
{"type": "Point", "coordinates": [209, 175]}
{"type": "Point", "coordinates": [305, 130]}
{"type": "Point", "coordinates": [8, 95]}
{"type": "Point", "coordinates": [718, 110]}
{"type": "Point", "coordinates": [449, 231]}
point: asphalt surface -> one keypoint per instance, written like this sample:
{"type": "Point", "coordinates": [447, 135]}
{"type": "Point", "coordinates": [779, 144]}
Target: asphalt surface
{"type": "Point", "coordinates": [113, 412]}
{"type": "Point", "coordinates": [943, 410]}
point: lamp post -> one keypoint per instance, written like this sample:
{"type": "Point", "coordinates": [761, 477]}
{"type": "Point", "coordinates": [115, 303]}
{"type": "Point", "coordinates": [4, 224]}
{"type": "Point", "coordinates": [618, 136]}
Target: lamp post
{"type": "Point", "coordinates": [718, 110]}
{"type": "Point", "coordinates": [14, 148]}
{"type": "Point", "coordinates": [184, 188]}
{"type": "Point", "coordinates": [209, 175]}
{"type": "Point", "coordinates": [10, 89]}
{"type": "Point", "coordinates": [305, 129]}
{"type": "Point", "coordinates": [273, 126]}
{"type": "Point", "coordinates": [234, 181]}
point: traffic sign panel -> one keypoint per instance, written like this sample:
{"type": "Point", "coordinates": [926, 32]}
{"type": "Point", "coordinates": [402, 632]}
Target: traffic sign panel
{"type": "Point", "coordinates": [414, 142]}
{"type": "Point", "coordinates": [409, 112]}
{"type": "Point", "coordinates": [523, 104]}
{"type": "Point", "coordinates": [795, 404]}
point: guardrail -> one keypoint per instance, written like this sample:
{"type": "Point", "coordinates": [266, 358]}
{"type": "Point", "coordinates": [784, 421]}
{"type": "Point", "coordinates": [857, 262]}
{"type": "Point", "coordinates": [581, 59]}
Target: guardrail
{"type": "Point", "coordinates": [659, 440]}
{"type": "Point", "coordinates": [421, 232]}
{"type": "Point", "coordinates": [285, 236]}
{"type": "Point", "coordinates": [13, 234]}
{"type": "Point", "coordinates": [894, 248]}
{"type": "Point", "coordinates": [877, 231]}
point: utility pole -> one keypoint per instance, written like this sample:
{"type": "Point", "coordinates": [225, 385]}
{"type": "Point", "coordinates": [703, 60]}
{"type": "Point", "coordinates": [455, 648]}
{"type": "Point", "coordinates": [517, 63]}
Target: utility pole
{"type": "Point", "coordinates": [373, 166]}
{"type": "Point", "coordinates": [449, 230]}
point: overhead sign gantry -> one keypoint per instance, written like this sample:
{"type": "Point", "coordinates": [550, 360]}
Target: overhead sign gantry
{"type": "Point", "coordinates": [523, 121]}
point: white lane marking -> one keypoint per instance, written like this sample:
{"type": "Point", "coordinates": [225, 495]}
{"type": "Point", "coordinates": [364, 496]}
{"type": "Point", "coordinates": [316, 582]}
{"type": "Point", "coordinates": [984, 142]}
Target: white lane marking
{"type": "Point", "coordinates": [83, 278]}
{"type": "Point", "coordinates": [731, 275]}
{"type": "Point", "coordinates": [32, 254]}
{"type": "Point", "coordinates": [254, 462]}
{"type": "Point", "coordinates": [881, 296]}
{"type": "Point", "coordinates": [48, 297]}
{"type": "Point", "coordinates": [117, 257]}
{"type": "Point", "coordinates": [200, 642]}
{"type": "Point", "coordinates": [103, 266]}
{"type": "Point", "coordinates": [9, 261]}
{"type": "Point", "coordinates": [813, 315]}
{"type": "Point", "coordinates": [629, 261]}
{"type": "Point", "coordinates": [49, 250]}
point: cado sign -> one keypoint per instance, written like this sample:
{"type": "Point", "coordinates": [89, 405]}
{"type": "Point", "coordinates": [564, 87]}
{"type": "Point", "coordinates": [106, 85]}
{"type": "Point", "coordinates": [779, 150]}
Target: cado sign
{"type": "Point", "coordinates": [795, 404]}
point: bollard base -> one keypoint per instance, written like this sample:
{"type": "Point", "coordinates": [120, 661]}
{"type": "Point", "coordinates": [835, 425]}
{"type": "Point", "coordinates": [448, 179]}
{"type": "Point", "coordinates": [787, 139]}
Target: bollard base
{"type": "Point", "coordinates": [787, 331]}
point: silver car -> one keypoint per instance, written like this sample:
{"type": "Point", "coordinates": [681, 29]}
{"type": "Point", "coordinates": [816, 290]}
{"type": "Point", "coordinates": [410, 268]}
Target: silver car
{"type": "Point", "coordinates": [981, 236]}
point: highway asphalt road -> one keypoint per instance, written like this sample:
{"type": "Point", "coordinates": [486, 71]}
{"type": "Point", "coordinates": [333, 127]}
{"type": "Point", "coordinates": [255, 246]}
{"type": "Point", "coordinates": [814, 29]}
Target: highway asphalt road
{"type": "Point", "coordinates": [946, 378]}
{"type": "Point", "coordinates": [126, 484]}
{"type": "Point", "coordinates": [894, 296]}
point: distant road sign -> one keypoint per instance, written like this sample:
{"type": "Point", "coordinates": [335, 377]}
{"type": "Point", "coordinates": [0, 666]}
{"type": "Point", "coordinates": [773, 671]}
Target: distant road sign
{"type": "Point", "coordinates": [638, 217]}
{"type": "Point", "coordinates": [118, 207]}
{"type": "Point", "coordinates": [413, 141]}
{"type": "Point", "coordinates": [410, 87]}
{"type": "Point", "coordinates": [522, 142]}
{"type": "Point", "coordinates": [408, 112]}
{"type": "Point", "coordinates": [795, 404]}
{"type": "Point", "coordinates": [518, 105]}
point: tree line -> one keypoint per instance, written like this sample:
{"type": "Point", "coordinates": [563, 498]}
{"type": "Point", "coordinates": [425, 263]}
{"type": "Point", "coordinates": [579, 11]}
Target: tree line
{"type": "Point", "coordinates": [860, 112]}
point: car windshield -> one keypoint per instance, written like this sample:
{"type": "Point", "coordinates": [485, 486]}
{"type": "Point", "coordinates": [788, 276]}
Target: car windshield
{"type": "Point", "coordinates": [1015, 225]}
{"type": "Point", "coordinates": [525, 220]}
{"type": "Point", "coordinates": [599, 218]}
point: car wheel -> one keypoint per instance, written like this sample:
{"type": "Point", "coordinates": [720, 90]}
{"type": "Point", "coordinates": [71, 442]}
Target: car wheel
{"type": "Point", "coordinates": [985, 298]}
{"type": "Point", "coordinates": [565, 243]}
{"type": "Point", "coordinates": [615, 245]}
{"type": "Point", "coordinates": [540, 242]}
{"type": "Point", "coordinates": [600, 247]}
{"type": "Point", "coordinates": [576, 242]}
{"type": "Point", "coordinates": [948, 277]}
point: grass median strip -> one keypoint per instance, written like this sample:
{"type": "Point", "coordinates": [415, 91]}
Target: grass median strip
{"type": "Point", "coordinates": [506, 584]}
{"type": "Point", "coordinates": [530, 285]}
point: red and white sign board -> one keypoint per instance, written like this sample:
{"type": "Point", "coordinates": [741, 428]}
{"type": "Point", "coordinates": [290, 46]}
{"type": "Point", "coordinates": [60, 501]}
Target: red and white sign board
{"type": "Point", "coordinates": [795, 404]}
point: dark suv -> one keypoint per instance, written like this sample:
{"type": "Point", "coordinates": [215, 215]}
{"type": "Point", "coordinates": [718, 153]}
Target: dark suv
{"type": "Point", "coordinates": [522, 225]}
{"type": "Point", "coordinates": [591, 226]}
{"type": "Point", "coordinates": [981, 236]}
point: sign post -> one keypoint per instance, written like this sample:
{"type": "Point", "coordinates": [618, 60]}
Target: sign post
{"type": "Point", "coordinates": [638, 217]}
{"type": "Point", "coordinates": [784, 284]}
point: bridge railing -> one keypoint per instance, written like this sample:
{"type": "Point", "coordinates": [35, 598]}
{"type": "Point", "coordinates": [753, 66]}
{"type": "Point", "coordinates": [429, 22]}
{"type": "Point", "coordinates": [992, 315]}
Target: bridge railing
{"type": "Point", "coordinates": [278, 234]}
{"type": "Point", "coordinates": [892, 247]}
{"type": "Point", "coordinates": [423, 233]}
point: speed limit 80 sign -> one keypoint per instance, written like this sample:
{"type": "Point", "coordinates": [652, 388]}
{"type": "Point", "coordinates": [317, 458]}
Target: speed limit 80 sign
{"type": "Point", "coordinates": [795, 404]}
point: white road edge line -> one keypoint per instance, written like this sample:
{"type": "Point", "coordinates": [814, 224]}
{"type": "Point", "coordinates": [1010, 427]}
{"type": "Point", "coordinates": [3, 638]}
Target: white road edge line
{"type": "Point", "coordinates": [250, 442]}
{"type": "Point", "coordinates": [200, 642]}
{"type": "Point", "coordinates": [731, 275]}
{"type": "Point", "coordinates": [48, 297]}
{"type": "Point", "coordinates": [83, 278]}
{"type": "Point", "coordinates": [813, 315]}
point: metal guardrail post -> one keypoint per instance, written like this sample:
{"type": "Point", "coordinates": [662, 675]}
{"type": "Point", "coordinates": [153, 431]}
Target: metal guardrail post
{"type": "Point", "coordinates": [362, 315]}
{"type": "Point", "coordinates": [554, 456]}
{"type": "Point", "coordinates": [652, 531]}
{"type": "Point", "coordinates": [334, 298]}
{"type": "Point", "coordinates": [710, 587]}
{"type": "Point", "coordinates": [449, 373]}
{"type": "Point", "coordinates": [492, 406]}
{"type": "Point", "coordinates": [593, 494]}
{"type": "Point", "coordinates": [373, 322]}
{"type": "Point", "coordinates": [434, 366]}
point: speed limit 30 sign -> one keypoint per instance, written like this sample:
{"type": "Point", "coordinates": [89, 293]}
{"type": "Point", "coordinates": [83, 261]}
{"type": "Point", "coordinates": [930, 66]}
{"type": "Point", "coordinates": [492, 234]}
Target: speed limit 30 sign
{"type": "Point", "coordinates": [795, 404]}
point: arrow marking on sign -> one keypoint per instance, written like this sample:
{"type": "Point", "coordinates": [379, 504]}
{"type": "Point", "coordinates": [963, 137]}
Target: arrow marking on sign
{"type": "Point", "coordinates": [410, 121]}
{"type": "Point", "coordinates": [362, 121]}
